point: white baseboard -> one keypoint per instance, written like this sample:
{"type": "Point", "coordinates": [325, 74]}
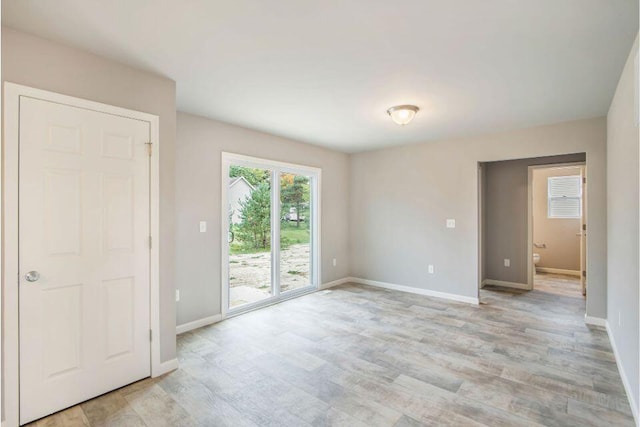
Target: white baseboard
{"type": "Point", "coordinates": [596, 321]}
{"type": "Point", "coordinates": [336, 283]}
{"type": "Point", "coordinates": [413, 290]}
{"type": "Point", "coordinates": [623, 375]}
{"type": "Point", "coordinates": [558, 271]}
{"type": "Point", "coordinates": [168, 366]}
{"type": "Point", "coordinates": [506, 284]}
{"type": "Point", "coordinates": [186, 327]}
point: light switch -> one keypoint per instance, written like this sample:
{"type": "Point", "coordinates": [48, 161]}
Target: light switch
{"type": "Point", "coordinates": [451, 223]}
{"type": "Point", "coordinates": [430, 269]}
{"type": "Point", "coordinates": [203, 226]}
{"type": "Point", "coordinates": [507, 262]}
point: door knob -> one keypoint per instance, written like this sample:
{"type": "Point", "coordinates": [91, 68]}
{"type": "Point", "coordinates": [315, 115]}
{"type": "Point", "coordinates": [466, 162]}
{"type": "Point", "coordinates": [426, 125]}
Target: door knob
{"type": "Point", "coordinates": [32, 276]}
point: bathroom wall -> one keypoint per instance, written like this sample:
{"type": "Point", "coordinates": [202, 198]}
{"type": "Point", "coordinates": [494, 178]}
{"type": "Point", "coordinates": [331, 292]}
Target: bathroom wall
{"type": "Point", "coordinates": [558, 234]}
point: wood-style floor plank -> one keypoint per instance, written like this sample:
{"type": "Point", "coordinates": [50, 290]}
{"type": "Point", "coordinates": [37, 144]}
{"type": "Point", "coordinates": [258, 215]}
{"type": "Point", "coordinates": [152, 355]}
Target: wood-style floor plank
{"type": "Point", "coordinates": [363, 356]}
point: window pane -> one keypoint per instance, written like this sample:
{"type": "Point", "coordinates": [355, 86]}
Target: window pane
{"type": "Point", "coordinates": [564, 186]}
{"type": "Point", "coordinates": [249, 235]}
{"type": "Point", "coordinates": [564, 207]}
{"type": "Point", "coordinates": [295, 232]}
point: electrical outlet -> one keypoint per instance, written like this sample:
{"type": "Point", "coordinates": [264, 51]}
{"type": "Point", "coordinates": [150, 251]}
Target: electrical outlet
{"type": "Point", "coordinates": [451, 223]}
{"type": "Point", "coordinates": [203, 226]}
{"type": "Point", "coordinates": [335, 262]}
{"type": "Point", "coordinates": [430, 269]}
{"type": "Point", "coordinates": [507, 262]}
{"type": "Point", "coordinates": [177, 295]}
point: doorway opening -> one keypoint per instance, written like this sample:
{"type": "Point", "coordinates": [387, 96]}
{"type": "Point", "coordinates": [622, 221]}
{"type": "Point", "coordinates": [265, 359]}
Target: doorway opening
{"type": "Point", "coordinates": [558, 228]}
{"type": "Point", "coordinates": [271, 220]}
{"type": "Point", "coordinates": [532, 225]}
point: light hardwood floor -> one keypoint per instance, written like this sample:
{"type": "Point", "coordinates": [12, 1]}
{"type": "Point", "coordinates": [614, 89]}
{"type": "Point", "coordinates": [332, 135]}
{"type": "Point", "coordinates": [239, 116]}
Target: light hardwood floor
{"type": "Point", "coordinates": [362, 356]}
{"type": "Point", "coordinates": [560, 284]}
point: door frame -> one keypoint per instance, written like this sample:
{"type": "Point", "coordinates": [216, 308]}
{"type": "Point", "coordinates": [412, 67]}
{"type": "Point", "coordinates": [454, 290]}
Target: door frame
{"type": "Point", "coordinates": [227, 159]}
{"type": "Point", "coordinates": [583, 165]}
{"type": "Point", "coordinates": [9, 220]}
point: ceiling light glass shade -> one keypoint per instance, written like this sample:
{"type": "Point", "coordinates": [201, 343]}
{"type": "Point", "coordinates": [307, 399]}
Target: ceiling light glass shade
{"type": "Point", "coordinates": [403, 114]}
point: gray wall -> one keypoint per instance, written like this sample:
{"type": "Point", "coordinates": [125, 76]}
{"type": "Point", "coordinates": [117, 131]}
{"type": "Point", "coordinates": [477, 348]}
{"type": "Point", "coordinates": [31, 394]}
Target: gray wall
{"type": "Point", "coordinates": [622, 226]}
{"type": "Point", "coordinates": [506, 215]}
{"type": "Point", "coordinates": [560, 235]}
{"type": "Point", "coordinates": [42, 64]}
{"type": "Point", "coordinates": [200, 143]}
{"type": "Point", "coordinates": [405, 194]}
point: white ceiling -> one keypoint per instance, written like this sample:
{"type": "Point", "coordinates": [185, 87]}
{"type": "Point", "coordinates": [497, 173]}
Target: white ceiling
{"type": "Point", "coordinates": [325, 71]}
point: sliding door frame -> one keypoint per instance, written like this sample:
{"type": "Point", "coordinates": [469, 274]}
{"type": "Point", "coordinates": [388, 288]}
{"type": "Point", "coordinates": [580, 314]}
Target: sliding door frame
{"type": "Point", "coordinates": [276, 168]}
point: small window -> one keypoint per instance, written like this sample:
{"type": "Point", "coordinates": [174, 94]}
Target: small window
{"type": "Point", "coordinates": [564, 196]}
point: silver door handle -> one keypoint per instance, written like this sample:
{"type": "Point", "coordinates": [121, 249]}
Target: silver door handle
{"type": "Point", "coordinates": [32, 276]}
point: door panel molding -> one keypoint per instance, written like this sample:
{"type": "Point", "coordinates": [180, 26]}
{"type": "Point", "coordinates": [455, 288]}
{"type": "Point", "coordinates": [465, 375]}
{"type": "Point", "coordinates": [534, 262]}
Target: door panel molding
{"type": "Point", "coordinates": [10, 273]}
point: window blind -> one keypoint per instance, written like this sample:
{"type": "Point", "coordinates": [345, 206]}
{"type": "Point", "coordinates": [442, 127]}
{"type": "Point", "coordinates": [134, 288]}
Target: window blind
{"type": "Point", "coordinates": [564, 196]}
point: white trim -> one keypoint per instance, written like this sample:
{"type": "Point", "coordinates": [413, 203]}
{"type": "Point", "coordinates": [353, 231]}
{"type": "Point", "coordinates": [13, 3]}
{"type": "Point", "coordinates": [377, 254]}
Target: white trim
{"type": "Point", "coordinates": [414, 290]}
{"type": "Point", "coordinates": [336, 282]}
{"type": "Point", "coordinates": [12, 94]}
{"type": "Point", "coordinates": [154, 232]}
{"type": "Point", "coordinates": [168, 366]}
{"type": "Point", "coordinates": [558, 271]}
{"type": "Point", "coordinates": [505, 284]}
{"type": "Point", "coordinates": [530, 264]}
{"type": "Point", "coordinates": [206, 321]}
{"type": "Point", "coordinates": [242, 178]}
{"type": "Point", "coordinates": [479, 205]}
{"type": "Point", "coordinates": [251, 161]}
{"type": "Point", "coordinates": [224, 236]}
{"type": "Point", "coordinates": [595, 321]}
{"type": "Point", "coordinates": [276, 167]}
{"type": "Point", "coordinates": [623, 376]}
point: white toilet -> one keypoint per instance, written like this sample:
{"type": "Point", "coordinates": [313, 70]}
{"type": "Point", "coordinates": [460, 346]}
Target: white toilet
{"type": "Point", "coordinates": [536, 259]}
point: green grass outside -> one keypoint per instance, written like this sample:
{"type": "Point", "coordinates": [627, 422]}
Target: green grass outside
{"type": "Point", "coordinates": [289, 235]}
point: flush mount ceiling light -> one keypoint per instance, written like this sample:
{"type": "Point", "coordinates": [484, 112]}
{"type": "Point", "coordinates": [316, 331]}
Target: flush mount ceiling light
{"type": "Point", "coordinates": [402, 114]}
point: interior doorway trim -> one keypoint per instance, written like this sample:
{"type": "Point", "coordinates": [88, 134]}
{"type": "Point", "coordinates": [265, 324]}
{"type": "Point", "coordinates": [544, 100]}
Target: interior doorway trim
{"type": "Point", "coordinates": [530, 274]}
{"type": "Point", "coordinates": [9, 219]}
{"type": "Point", "coordinates": [229, 159]}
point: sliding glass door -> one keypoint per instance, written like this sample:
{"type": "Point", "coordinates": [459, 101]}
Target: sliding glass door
{"type": "Point", "coordinates": [270, 219]}
{"type": "Point", "coordinates": [295, 231]}
{"type": "Point", "coordinates": [249, 235]}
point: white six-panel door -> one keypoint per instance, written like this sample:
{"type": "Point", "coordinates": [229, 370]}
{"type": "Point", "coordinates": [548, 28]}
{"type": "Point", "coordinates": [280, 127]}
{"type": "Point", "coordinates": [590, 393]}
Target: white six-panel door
{"type": "Point", "coordinates": [84, 230]}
